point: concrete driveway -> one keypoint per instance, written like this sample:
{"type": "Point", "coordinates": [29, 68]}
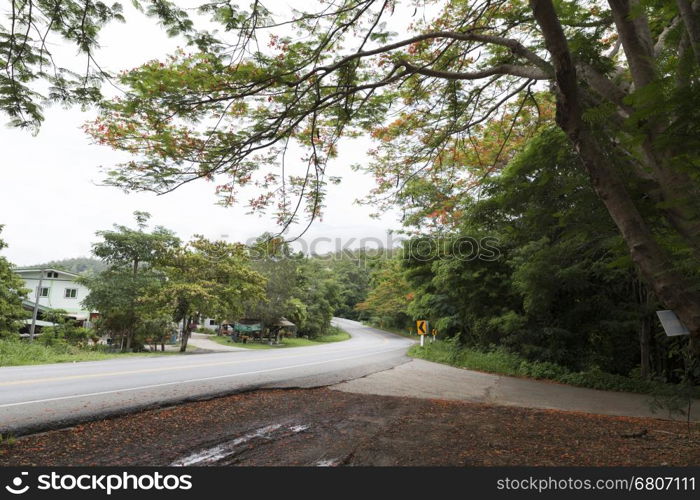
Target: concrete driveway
{"type": "Point", "coordinates": [202, 341]}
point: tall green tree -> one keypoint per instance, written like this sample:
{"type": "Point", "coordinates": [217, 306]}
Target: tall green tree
{"type": "Point", "coordinates": [351, 271]}
{"type": "Point", "coordinates": [131, 255]}
{"type": "Point", "coordinates": [207, 279]}
{"type": "Point", "coordinates": [305, 291]}
{"type": "Point", "coordinates": [320, 292]}
{"type": "Point", "coordinates": [389, 295]}
{"type": "Point", "coordinates": [118, 294]}
{"type": "Point", "coordinates": [275, 260]}
{"type": "Point", "coordinates": [12, 292]}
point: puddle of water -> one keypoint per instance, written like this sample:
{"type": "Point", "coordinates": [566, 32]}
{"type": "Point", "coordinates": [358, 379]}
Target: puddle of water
{"type": "Point", "coordinates": [218, 452]}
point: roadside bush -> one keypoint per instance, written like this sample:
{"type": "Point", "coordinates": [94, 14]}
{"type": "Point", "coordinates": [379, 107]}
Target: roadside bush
{"type": "Point", "coordinates": [53, 339]}
{"type": "Point", "coordinates": [65, 333]}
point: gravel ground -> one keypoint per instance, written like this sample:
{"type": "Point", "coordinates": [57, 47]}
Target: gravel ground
{"type": "Point", "coordinates": [325, 427]}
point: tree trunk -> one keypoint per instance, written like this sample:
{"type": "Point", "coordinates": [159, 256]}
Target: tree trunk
{"type": "Point", "coordinates": [677, 188]}
{"type": "Point", "coordinates": [672, 288]}
{"type": "Point", "coordinates": [645, 348]}
{"type": "Point", "coordinates": [646, 327]}
{"type": "Point", "coordinates": [692, 26]}
{"type": "Point", "coordinates": [185, 334]}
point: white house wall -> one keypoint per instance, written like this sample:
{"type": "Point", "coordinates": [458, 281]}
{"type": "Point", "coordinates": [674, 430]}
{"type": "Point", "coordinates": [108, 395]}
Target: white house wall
{"type": "Point", "coordinates": [57, 291]}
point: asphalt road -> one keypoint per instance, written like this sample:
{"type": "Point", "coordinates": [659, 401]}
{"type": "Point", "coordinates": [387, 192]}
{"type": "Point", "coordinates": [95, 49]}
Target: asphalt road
{"type": "Point", "coordinates": [40, 397]}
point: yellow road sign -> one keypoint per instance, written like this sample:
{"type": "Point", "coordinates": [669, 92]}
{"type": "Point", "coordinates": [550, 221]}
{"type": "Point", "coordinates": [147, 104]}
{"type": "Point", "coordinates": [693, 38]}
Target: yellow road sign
{"type": "Point", "coordinates": [422, 327]}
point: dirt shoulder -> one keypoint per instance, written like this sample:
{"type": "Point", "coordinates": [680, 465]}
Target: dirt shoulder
{"type": "Point", "coordinates": [327, 427]}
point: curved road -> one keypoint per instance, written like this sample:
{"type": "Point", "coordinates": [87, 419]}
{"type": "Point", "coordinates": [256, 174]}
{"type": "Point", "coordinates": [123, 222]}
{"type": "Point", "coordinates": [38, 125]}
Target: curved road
{"type": "Point", "coordinates": [38, 397]}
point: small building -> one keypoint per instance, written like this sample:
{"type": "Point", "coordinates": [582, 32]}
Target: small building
{"type": "Point", "coordinates": [211, 324]}
{"type": "Point", "coordinates": [283, 327]}
{"type": "Point", "coordinates": [59, 290]}
{"type": "Point", "coordinates": [248, 327]}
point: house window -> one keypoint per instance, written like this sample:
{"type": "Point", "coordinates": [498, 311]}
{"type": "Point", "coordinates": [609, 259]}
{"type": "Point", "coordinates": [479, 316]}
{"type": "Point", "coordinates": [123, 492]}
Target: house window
{"type": "Point", "coordinates": [44, 292]}
{"type": "Point", "coordinates": [71, 293]}
{"type": "Point", "coordinates": [52, 274]}
{"type": "Point", "coordinates": [212, 322]}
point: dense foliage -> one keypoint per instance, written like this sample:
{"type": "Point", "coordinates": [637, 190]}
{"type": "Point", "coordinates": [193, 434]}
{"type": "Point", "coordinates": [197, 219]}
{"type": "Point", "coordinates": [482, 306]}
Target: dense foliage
{"type": "Point", "coordinates": [118, 293]}
{"type": "Point", "coordinates": [12, 292]}
{"type": "Point", "coordinates": [560, 287]}
{"type": "Point", "coordinates": [304, 290]}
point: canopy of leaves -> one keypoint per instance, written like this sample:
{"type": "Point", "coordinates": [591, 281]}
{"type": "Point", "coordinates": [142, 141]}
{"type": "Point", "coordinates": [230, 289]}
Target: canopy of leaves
{"type": "Point", "coordinates": [208, 279]}
{"type": "Point", "coordinates": [33, 73]}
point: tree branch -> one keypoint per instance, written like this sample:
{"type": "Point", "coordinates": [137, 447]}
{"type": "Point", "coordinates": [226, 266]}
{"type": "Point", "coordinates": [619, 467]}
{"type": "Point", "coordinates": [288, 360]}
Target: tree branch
{"type": "Point", "coordinates": [636, 41]}
{"type": "Point", "coordinates": [515, 46]}
{"type": "Point", "coordinates": [501, 69]}
{"type": "Point", "coordinates": [692, 26]}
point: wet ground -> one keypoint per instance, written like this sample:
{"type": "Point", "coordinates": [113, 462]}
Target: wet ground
{"type": "Point", "coordinates": [322, 427]}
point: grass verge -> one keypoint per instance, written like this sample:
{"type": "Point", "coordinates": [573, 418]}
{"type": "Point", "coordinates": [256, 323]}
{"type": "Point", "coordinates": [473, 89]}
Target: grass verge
{"type": "Point", "coordinates": [336, 335]}
{"type": "Point", "coordinates": [506, 363]}
{"type": "Point", "coordinates": [20, 352]}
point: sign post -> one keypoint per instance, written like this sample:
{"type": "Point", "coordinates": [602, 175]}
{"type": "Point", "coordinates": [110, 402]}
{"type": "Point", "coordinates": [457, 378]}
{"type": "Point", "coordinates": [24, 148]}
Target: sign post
{"type": "Point", "coordinates": [422, 330]}
{"type": "Point", "coordinates": [35, 310]}
{"type": "Point", "coordinates": [672, 325]}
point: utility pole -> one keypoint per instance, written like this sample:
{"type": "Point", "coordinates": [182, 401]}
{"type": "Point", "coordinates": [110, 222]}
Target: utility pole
{"type": "Point", "coordinates": [35, 312]}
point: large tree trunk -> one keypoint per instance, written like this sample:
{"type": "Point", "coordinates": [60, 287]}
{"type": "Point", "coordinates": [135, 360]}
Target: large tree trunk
{"type": "Point", "coordinates": [646, 328]}
{"type": "Point", "coordinates": [692, 26]}
{"type": "Point", "coordinates": [680, 196]}
{"type": "Point", "coordinates": [672, 288]}
{"type": "Point", "coordinates": [185, 334]}
{"type": "Point", "coordinates": [645, 348]}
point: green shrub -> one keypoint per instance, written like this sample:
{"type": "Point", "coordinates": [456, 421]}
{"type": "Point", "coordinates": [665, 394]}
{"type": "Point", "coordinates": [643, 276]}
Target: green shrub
{"type": "Point", "coordinates": [541, 369]}
{"type": "Point", "coordinates": [45, 349]}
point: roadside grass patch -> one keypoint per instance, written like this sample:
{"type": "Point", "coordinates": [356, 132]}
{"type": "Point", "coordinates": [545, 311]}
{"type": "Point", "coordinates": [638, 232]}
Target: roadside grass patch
{"type": "Point", "coordinates": [335, 335]}
{"type": "Point", "coordinates": [15, 352]}
{"type": "Point", "coordinates": [506, 363]}
{"type": "Point", "coordinates": [397, 331]}
{"type": "Point", "coordinates": [7, 439]}
{"type": "Point", "coordinates": [226, 340]}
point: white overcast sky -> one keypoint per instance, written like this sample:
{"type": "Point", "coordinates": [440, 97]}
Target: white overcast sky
{"type": "Point", "coordinates": [51, 203]}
